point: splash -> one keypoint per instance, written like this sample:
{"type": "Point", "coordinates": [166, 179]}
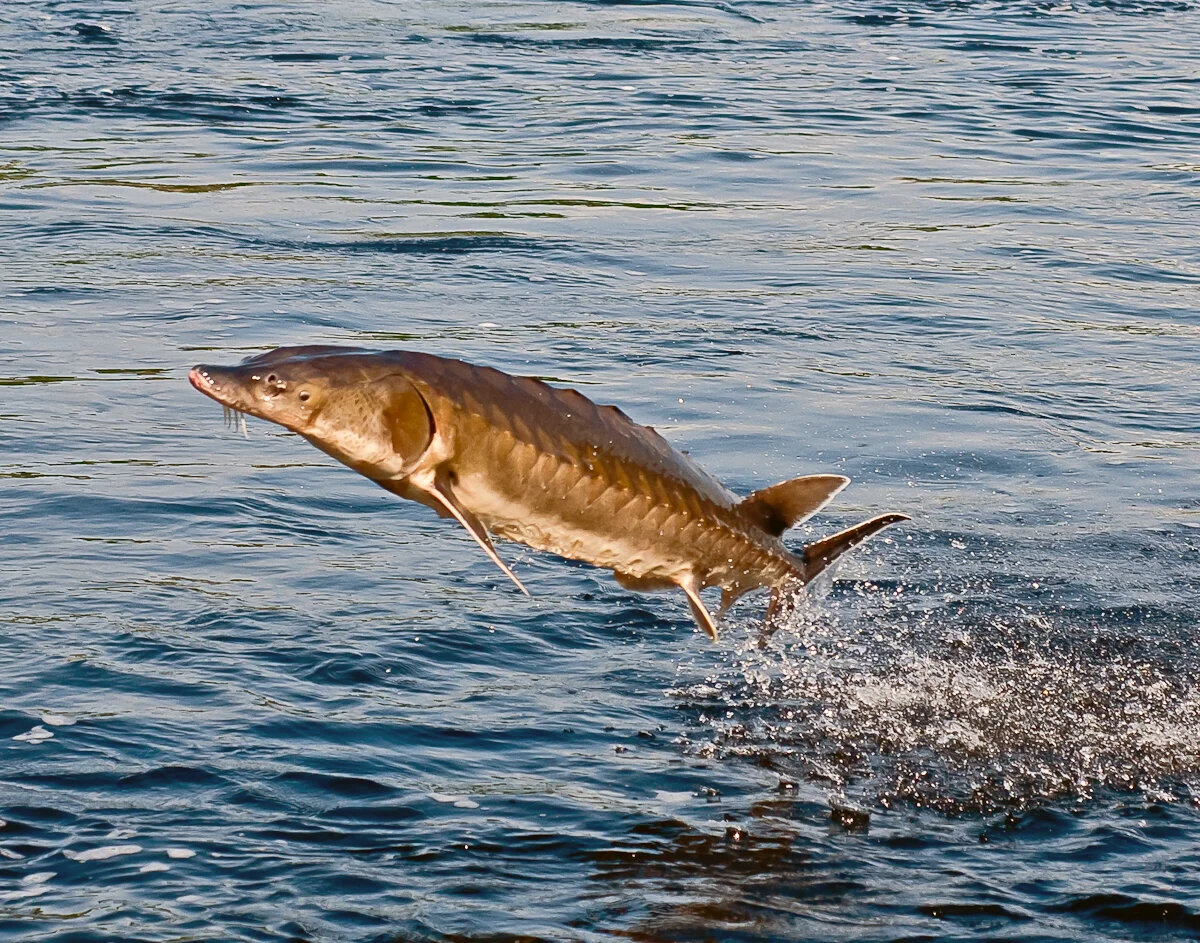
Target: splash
{"type": "Point", "coordinates": [959, 703]}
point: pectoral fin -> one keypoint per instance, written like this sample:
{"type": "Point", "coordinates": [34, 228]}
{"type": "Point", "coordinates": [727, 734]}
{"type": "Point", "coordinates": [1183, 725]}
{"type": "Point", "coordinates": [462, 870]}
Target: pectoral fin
{"type": "Point", "coordinates": [699, 612]}
{"type": "Point", "coordinates": [443, 494]}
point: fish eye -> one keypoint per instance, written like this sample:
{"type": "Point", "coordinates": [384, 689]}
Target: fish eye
{"type": "Point", "coordinates": [304, 395]}
{"type": "Point", "coordinates": [272, 379]}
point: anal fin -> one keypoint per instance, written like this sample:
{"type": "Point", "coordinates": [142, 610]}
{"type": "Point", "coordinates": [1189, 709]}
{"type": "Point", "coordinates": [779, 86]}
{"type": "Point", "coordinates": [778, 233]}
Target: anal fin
{"type": "Point", "coordinates": [728, 598]}
{"type": "Point", "coordinates": [443, 494]}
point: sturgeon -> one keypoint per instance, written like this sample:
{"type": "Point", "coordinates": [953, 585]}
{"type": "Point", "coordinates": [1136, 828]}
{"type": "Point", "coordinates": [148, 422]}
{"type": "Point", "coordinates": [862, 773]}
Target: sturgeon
{"type": "Point", "coordinates": [516, 458]}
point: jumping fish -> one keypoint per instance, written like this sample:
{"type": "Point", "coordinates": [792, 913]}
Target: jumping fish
{"type": "Point", "coordinates": [517, 458]}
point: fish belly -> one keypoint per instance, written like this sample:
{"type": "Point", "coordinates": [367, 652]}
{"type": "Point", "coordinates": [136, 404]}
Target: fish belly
{"type": "Point", "coordinates": [614, 532]}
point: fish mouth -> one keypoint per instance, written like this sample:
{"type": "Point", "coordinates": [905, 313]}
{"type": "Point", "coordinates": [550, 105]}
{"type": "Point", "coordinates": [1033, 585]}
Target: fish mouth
{"type": "Point", "coordinates": [202, 378]}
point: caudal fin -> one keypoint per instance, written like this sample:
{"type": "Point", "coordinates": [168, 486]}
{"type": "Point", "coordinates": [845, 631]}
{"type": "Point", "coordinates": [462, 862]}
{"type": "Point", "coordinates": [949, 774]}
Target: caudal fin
{"type": "Point", "coordinates": [820, 555]}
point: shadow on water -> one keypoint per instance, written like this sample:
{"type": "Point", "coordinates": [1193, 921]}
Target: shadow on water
{"type": "Point", "coordinates": [688, 883]}
{"type": "Point", "coordinates": [773, 875]}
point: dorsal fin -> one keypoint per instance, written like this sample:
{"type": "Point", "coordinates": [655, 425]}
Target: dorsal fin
{"type": "Point", "coordinates": [786, 504]}
{"type": "Point", "coordinates": [821, 554]}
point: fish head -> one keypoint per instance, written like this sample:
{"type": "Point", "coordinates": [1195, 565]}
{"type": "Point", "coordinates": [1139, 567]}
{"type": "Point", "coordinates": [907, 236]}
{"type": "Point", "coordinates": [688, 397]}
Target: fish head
{"type": "Point", "coordinates": [356, 405]}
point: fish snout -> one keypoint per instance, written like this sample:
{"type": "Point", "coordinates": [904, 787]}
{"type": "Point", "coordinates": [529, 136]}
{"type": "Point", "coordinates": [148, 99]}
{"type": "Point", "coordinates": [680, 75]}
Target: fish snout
{"type": "Point", "coordinates": [200, 378]}
{"type": "Point", "coordinates": [217, 383]}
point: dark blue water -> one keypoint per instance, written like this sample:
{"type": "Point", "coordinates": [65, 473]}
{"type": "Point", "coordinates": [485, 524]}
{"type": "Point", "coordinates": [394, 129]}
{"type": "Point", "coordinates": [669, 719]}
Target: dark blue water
{"type": "Point", "coordinates": [948, 249]}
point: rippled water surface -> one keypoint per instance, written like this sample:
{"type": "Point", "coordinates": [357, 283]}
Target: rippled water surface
{"type": "Point", "coordinates": [947, 249]}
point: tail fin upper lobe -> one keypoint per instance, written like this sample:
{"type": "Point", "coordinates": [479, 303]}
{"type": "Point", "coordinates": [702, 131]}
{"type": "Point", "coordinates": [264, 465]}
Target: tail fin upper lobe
{"type": "Point", "coordinates": [821, 555]}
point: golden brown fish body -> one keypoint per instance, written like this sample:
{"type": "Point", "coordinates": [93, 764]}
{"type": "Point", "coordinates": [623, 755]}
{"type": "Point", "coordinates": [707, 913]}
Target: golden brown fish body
{"type": "Point", "coordinates": [547, 467]}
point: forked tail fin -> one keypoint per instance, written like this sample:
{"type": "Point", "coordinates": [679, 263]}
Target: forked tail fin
{"type": "Point", "coordinates": [820, 555]}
